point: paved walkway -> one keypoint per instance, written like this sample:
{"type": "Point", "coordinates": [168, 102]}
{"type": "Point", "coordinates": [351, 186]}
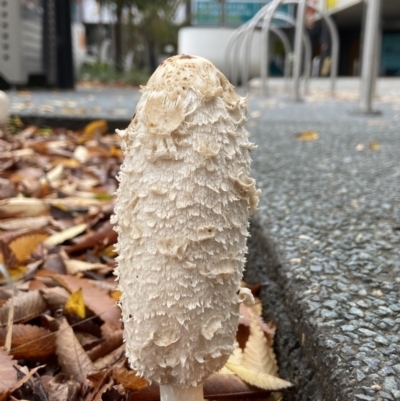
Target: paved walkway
{"type": "Point", "coordinates": [330, 214]}
{"type": "Point", "coordinates": [328, 225]}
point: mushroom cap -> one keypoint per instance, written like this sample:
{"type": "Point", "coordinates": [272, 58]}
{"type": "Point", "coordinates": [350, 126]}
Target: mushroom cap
{"type": "Point", "coordinates": [182, 216]}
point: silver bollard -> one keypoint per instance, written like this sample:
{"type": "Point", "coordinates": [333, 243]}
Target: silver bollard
{"type": "Point", "coordinates": [301, 9]}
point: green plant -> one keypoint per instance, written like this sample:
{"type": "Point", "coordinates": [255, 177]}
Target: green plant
{"type": "Point", "coordinates": [106, 73]}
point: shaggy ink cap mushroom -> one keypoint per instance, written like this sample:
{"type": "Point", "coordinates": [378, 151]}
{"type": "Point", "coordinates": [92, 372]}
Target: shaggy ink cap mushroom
{"type": "Point", "coordinates": [181, 214]}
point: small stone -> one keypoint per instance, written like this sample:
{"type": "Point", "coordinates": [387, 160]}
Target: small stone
{"type": "Point", "coordinates": [389, 384]}
{"type": "Point", "coordinates": [386, 371]}
{"type": "Point", "coordinates": [384, 310]}
{"type": "Point", "coordinates": [363, 397]}
{"type": "Point", "coordinates": [330, 304]}
{"type": "Point", "coordinates": [360, 375]}
{"type": "Point", "coordinates": [316, 268]}
{"type": "Point", "coordinates": [388, 321]}
{"type": "Point", "coordinates": [312, 306]}
{"type": "Point", "coordinates": [330, 344]}
{"type": "Point", "coordinates": [368, 390]}
{"type": "Point", "coordinates": [356, 311]}
{"type": "Point", "coordinates": [367, 332]}
{"type": "Point", "coordinates": [376, 387]}
{"type": "Point", "coordinates": [396, 394]}
{"type": "Point", "coordinates": [372, 362]}
{"type": "Point", "coordinates": [385, 396]}
{"type": "Point", "coordinates": [363, 304]}
{"type": "Point", "coordinates": [348, 327]}
{"type": "Point", "coordinates": [365, 369]}
{"type": "Point", "coordinates": [328, 314]}
{"type": "Point", "coordinates": [381, 340]}
{"type": "Point", "coordinates": [348, 350]}
{"type": "Point", "coordinates": [397, 368]}
{"type": "Point", "coordinates": [389, 351]}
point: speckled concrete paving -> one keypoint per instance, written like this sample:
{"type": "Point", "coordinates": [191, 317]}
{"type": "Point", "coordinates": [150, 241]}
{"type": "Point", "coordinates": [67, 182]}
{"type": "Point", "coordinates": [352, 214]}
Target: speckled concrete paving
{"type": "Point", "coordinates": [330, 215]}
{"type": "Point", "coordinates": [326, 238]}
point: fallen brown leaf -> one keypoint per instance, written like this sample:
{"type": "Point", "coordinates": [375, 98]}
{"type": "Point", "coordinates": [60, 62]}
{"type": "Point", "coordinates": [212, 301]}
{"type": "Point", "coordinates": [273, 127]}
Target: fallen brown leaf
{"type": "Point", "coordinates": [374, 145]}
{"type": "Point", "coordinates": [29, 342]}
{"type": "Point", "coordinates": [8, 375]}
{"type": "Point", "coordinates": [65, 235]}
{"type": "Point", "coordinates": [97, 300]}
{"type": "Point", "coordinates": [22, 207]}
{"type": "Point", "coordinates": [55, 297]}
{"type": "Point", "coordinates": [27, 305]}
{"type": "Point", "coordinates": [75, 304]}
{"type": "Point", "coordinates": [307, 136]}
{"type": "Point", "coordinates": [25, 244]}
{"type": "Point", "coordinates": [110, 342]}
{"type": "Point", "coordinates": [30, 223]}
{"type": "Point", "coordinates": [129, 379]}
{"type": "Point", "coordinates": [71, 356]}
{"type": "Point", "coordinates": [62, 388]}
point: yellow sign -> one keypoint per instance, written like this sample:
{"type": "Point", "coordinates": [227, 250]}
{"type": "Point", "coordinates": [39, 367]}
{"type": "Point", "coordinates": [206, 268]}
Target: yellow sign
{"type": "Point", "coordinates": [331, 3]}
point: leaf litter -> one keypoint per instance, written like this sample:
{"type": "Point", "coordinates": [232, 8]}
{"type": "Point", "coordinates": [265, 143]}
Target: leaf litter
{"type": "Point", "coordinates": [57, 285]}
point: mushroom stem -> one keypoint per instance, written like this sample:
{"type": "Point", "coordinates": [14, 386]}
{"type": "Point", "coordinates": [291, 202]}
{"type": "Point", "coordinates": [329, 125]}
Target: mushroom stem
{"type": "Point", "coordinates": [4, 110]}
{"type": "Point", "coordinates": [171, 393]}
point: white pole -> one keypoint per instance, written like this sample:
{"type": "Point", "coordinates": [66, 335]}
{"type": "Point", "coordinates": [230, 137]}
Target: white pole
{"type": "Point", "coordinates": [301, 9]}
{"type": "Point", "coordinates": [369, 71]}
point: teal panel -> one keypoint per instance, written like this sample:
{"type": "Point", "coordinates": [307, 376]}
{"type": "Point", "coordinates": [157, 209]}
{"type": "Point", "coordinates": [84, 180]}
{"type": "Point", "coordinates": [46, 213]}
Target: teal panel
{"type": "Point", "coordinates": [390, 56]}
{"type": "Point", "coordinates": [208, 12]}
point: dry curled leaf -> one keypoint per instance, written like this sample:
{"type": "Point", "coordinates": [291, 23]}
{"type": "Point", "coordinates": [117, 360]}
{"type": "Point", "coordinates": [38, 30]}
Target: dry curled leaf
{"type": "Point", "coordinates": [27, 375]}
{"type": "Point", "coordinates": [97, 127]}
{"type": "Point", "coordinates": [258, 365]}
{"type": "Point", "coordinates": [105, 235]}
{"type": "Point", "coordinates": [74, 266]}
{"type": "Point", "coordinates": [7, 257]}
{"type": "Point", "coordinates": [75, 304]}
{"type": "Point", "coordinates": [250, 313]}
{"type": "Point", "coordinates": [25, 244]}
{"type": "Point", "coordinates": [259, 379]}
{"type": "Point", "coordinates": [62, 388]}
{"type": "Point", "coordinates": [110, 342]}
{"type": "Point", "coordinates": [307, 136]}
{"type": "Point", "coordinates": [97, 300]}
{"type": "Point", "coordinates": [55, 297]}
{"type": "Point", "coordinates": [29, 342]}
{"type": "Point", "coordinates": [8, 375]}
{"type": "Point", "coordinates": [374, 145]}
{"type": "Point", "coordinates": [71, 356]}
{"type": "Point", "coordinates": [27, 305]}
{"type": "Point", "coordinates": [258, 354]}
{"type": "Point", "coordinates": [22, 207]}
{"type": "Point", "coordinates": [129, 379]}
{"type": "Point", "coordinates": [68, 233]}
{"type": "Point", "coordinates": [30, 223]}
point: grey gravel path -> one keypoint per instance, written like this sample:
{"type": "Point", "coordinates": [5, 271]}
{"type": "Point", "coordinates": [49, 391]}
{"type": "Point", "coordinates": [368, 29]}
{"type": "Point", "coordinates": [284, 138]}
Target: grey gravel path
{"type": "Point", "coordinates": [330, 212]}
{"type": "Point", "coordinates": [329, 218]}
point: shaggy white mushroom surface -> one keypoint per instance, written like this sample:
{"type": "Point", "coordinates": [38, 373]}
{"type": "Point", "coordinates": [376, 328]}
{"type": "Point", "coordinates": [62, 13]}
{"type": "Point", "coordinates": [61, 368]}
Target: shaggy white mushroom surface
{"type": "Point", "coordinates": [182, 217]}
{"type": "Point", "coordinates": [4, 109]}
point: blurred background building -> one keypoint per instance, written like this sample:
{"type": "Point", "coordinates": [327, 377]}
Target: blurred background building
{"type": "Point", "coordinates": [56, 42]}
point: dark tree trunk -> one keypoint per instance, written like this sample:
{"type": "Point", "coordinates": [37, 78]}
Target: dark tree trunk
{"type": "Point", "coordinates": [119, 63]}
{"type": "Point", "coordinates": [153, 57]}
